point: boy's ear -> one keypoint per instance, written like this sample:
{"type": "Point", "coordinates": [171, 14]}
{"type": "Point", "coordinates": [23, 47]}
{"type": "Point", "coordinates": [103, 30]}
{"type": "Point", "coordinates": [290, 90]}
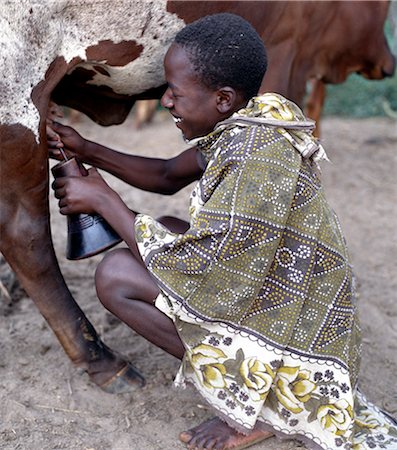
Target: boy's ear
{"type": "Point", "coordinates": [226, 99]}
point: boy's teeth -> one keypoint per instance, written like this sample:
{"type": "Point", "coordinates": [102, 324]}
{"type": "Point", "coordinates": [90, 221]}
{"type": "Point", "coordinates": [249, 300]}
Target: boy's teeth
{"type": "Point", "coordinates": [177, 119]}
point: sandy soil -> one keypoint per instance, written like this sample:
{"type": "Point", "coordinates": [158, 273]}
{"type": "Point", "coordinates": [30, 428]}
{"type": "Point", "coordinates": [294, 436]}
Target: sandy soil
{"type": "Point", "coordinates": [45, 403]}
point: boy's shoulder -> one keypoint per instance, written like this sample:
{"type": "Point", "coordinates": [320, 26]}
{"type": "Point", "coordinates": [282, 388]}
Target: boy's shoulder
{"type": "Point", "coordinates": [240, 143]}
{"type": "Point", "coordinates": [258, 141]}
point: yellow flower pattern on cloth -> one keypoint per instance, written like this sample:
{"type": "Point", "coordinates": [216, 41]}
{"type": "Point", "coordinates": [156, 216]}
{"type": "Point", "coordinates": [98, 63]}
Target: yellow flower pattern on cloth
{"type": "Point", "coordinates": [205, 360]}
{"type": "Point", "coordinates": [258, 377]}
{"type": "Point", "coordinates": [150, 234]}
{"type": "Point", "coordinates": [318, 399]}
{"type": "Point", "coordinates": [336, 417]}
{"type": "Point", "coordinates": [293, 387]}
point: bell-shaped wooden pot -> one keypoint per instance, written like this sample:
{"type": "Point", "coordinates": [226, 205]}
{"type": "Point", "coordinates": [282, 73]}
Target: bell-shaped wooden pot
{"type": "Point", "coordinates": [88, 234]}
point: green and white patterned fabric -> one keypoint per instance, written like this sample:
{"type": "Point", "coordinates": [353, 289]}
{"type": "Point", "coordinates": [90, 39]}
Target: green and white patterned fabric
{"type": "Point", "coordinates": [261, 289]}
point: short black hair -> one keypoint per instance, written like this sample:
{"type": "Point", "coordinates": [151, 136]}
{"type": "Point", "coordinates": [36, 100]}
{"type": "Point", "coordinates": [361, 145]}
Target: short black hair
{"type": "Point", "coordinates": [225, 50]}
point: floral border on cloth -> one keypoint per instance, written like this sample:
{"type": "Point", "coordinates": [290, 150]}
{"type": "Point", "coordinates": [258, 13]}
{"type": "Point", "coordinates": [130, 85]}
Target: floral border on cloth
{"type": "Point", "coordinates": [297, 396]}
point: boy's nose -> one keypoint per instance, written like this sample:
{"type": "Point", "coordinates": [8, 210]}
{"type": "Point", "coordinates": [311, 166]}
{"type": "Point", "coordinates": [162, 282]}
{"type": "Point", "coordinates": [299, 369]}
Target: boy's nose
{"type": "Point", "coordinates": [166, 100]}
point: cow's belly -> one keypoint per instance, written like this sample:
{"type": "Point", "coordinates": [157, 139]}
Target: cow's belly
{"type": "Point", "coordinates": [33, 35]}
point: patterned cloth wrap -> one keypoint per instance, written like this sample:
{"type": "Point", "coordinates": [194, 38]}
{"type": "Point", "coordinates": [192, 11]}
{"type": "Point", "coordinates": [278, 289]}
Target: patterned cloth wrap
{"type": "Point", "coordinates": [260, 287]}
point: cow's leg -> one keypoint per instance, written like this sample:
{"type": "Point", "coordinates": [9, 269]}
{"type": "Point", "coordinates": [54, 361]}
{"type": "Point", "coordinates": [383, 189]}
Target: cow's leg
{"type": "Point", "coordinates": [26, 243]}
{"type": "Point", "coordinates": [144, 112]}
{"type": "Point", "coordinates": [315, 102]}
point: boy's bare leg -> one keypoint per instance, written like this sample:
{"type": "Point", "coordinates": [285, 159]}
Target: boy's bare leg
{"type": "Point", "coordinates": [126, 288]}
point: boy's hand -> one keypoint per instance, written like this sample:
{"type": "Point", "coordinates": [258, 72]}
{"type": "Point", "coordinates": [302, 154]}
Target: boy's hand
{"type": "Point", "coordinates": [61, 136]}
{"type": "Point", "coordinates": [82, 194]}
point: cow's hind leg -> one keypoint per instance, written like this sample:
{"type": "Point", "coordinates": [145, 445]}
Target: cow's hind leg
{"type": "Point", "coordinates": [315, 102]}
{"type": "Point", "coordinates": [26, 243]}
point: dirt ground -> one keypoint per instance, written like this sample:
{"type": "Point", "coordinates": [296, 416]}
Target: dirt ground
{"type": "Point", "coordinates": [45, 403]}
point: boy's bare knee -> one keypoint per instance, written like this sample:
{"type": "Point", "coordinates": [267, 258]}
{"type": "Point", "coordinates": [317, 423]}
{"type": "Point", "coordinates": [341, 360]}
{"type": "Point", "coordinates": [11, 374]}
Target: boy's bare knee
{"type": "Point", "coordinates": [107, 275]}
{"type": "Point", "coordinates": [106, 268]}
{"type": "Point", "coordinates": [120, 276]}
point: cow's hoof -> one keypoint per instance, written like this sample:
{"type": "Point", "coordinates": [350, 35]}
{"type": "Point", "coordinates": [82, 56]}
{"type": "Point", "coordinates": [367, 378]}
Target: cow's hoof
{"type": "Point", "coordinates": [126, 379]}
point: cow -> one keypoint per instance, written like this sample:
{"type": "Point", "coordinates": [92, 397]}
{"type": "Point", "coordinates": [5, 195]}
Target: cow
{"type": "Point", "coordinates": [315, 43]}
{"type": "Point", "coordinates": [100, 60]}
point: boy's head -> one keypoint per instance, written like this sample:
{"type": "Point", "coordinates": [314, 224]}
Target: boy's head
{"type": "Point", "coordinates": [225, 50]}
{"type": "Point", "coordinates": [213, 68]}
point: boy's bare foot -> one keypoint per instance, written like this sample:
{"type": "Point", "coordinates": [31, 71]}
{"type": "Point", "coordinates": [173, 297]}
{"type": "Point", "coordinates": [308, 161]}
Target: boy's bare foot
{"type": "Point", "coordinates": [217, 435]}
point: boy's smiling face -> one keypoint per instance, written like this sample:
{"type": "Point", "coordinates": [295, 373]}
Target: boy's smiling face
{"type": "Point", "coordinates": [195, 107]}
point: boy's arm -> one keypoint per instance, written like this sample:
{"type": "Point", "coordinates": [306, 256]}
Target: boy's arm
{"type": "Point", "coordinates": [150, 174]}
{"type": "Point", "coordinates": [163, 176]}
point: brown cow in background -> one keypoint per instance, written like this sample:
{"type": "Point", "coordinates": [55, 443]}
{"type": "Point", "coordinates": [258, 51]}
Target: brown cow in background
{"type": "Point", "coordinates": [99, 60]}
{"type": "Point", "coordinates": [315, 42]}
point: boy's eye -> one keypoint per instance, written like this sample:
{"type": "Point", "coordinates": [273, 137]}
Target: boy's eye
{"type": "Point", "coordinates": [173, 94]}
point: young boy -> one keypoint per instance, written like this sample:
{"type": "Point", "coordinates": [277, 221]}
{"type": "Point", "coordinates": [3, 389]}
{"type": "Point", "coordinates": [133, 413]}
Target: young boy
{"type": "Point", "coordinates": [255, 295]}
